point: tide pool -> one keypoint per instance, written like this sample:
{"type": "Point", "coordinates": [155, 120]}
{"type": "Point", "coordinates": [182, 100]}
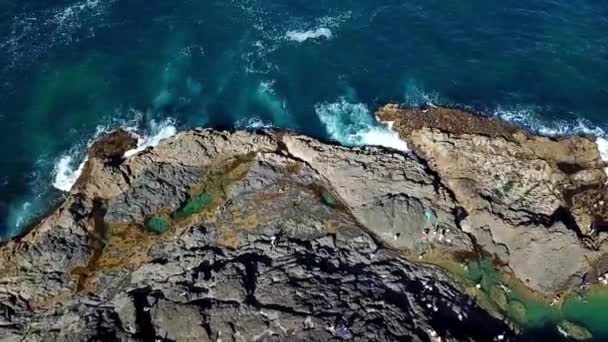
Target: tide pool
{"type": "Point", "coordinates": [578, 314]}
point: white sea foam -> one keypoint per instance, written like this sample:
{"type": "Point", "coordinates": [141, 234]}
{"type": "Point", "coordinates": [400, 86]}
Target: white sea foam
{"type": "Point", "coordinates": [351, 124]}
{"type": "Point", "coordinates": [602, 146]}
{"type": "Point", "coordinates": [67, 172]}
{"type": "Point", "coordinates": [25, 207]}
{"type": "Point", "coordinates": [158, 132]}
{"type": "Point", "coordinates": [69, 166]}
{"type": "Point", "coordinates": [32, 34]}
{"type": "Point", "coordinates": [528, 118]}
{"type": "Point", "coordinates": [273, 104]}
{"type": "Point", "coordinates": [267, 86]}
{"type": "Point", "coordinates": [19, 215]}
{"type": "Point", "coordinates": [335, 19]}
{"type": "Point", "coordinates": [301, 36]}
{"type": "Point", "coordinates": [69, 13]}
{"type": "Point", "coordinates": [524, 116]}
{"type": "Point", "coordinates": [415, 95]}
{"type": "Point", "coordinates": [252, 124]}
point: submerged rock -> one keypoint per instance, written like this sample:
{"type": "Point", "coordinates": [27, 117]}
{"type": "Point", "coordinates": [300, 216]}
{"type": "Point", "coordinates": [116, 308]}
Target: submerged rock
{"type": "Point", "coordinates": [573, 331]}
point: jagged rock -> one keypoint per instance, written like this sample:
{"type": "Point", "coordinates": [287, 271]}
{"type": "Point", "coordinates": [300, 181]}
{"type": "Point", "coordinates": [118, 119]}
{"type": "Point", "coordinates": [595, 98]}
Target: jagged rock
{"type": "Point", "coordinates": [125, 309]}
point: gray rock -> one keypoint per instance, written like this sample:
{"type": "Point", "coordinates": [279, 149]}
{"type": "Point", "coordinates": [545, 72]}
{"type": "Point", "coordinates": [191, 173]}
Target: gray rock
{"type": "Point", "coordinates": [178, 322]}
{"type": "Point", "coordinates": [300, 242]}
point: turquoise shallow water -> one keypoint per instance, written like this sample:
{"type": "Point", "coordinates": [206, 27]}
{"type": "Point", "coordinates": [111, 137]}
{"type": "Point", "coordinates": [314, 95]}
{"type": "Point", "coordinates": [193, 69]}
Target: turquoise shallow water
{"type": "Point", "coordinates": [70, 70]}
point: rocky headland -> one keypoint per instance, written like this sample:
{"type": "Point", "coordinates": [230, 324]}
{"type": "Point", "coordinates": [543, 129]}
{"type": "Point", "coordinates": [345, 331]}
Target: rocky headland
{"type": "Point", "coordinates": [275, 236]}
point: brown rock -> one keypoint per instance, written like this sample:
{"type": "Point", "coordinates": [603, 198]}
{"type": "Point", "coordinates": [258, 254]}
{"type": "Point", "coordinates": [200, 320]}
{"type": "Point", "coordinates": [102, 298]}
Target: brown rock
{"type": "Point", "coordinates": [407, 120]}
{"type": "Point", "coordinates": [113, 146]}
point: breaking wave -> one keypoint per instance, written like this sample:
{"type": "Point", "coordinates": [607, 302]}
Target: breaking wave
{"type": "Point", "coordinates": [528, 118]}
{"type": "Point", "coordinates": [252, 124]}
{"type": "Point", "coordinates": [351, 124]}
{"type": "Point", "coordinates": [301, 36]}
{"type": "Point", "coordinates": [158, 132]}
{"type": "Point", "coordinates": [67, 172]}
{"type": "Point", "coordinates": [69, 166]}
{"type": "Point", "coordinates": [602, 146]}
{"type": "Point", "coordinates": [320, 28]}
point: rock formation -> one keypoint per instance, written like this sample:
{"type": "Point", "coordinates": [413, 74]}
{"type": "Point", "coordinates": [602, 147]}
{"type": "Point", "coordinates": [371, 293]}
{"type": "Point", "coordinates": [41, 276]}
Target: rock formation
{"type": "Point", "coordinates": [533, 201]}
{"type": "Point", "coordinates": [274, 236]}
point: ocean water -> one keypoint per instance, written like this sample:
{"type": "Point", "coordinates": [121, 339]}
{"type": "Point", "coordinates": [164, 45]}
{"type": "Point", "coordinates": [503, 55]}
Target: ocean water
{"type": "Point", "coordinates": [71, 70]}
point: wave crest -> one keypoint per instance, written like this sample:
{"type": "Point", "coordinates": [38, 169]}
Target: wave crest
{"type": "Point", "coordinates": [67, 172]}
{"type": "Point", "coordinates": [252, 124]}
{"type": "Point", "coordinates": [158, 132]}
{"type": "Point", "coordinates": [301, 36]}
{"type": "Point", "coordinates": [527, 117]}
{"type": "Point", "coordinates": [351, 124]}
{"type": "Point", "coordinates": [69, 166]}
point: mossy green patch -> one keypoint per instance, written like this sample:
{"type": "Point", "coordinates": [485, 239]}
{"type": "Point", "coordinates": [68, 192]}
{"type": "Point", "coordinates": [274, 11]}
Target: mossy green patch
{"type": "Point", "coordinates": [483, 272]}
{"type": "Point", "coordinates": [194, 205]}
{"type": "Point", "coordinates": [517, 311]}
{"type": "Point", "coordinates": [508, 186]}
{"type": "Point", "coordinates": [579, 315]}
{"type": "Point", "coordinates": [157, 224]}
{"type": "Point", "coordinates": [328, 199]}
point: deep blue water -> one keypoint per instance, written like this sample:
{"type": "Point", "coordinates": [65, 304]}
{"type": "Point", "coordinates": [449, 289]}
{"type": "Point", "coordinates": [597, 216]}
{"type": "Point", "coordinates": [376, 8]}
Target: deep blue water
{"type": "Point", "coordinates": [70, 70]}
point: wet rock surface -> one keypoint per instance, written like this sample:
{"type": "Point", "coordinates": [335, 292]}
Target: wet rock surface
{"type": "Point", "coordinates": [273, 236]}
{"type": "Point", "coordinates": [112, 147]}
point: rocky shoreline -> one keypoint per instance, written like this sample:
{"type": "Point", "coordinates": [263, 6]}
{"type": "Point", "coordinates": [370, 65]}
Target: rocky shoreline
{"type": "Point", "coordinates": [275, 236]}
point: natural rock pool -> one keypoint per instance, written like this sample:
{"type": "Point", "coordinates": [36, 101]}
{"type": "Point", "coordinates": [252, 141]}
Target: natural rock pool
{"type": "Point", "coordinates": [576, 312]}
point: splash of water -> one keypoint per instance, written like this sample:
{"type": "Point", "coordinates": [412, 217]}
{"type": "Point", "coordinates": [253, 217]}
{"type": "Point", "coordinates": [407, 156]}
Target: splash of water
{"type": "Point", "coordinates": [302, 36]}
{"type": "Point", "coordinates": [159, 131]}
{"type": "Point", "coordinates": [351, 124]}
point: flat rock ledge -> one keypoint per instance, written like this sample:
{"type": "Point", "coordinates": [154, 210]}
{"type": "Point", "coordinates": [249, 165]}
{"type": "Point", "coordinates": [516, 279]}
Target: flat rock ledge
{"type": "Point", "coordinates": [274, 236]}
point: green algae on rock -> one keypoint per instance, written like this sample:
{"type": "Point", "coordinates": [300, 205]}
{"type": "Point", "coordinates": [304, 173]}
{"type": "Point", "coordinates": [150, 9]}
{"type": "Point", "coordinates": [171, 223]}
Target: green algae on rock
{"type": "Point", "coordinates": [328, 198]}
{"type": "Point", "coordinates": [194, 205]}
{"type": "Point", "coordinates": [158, 224]}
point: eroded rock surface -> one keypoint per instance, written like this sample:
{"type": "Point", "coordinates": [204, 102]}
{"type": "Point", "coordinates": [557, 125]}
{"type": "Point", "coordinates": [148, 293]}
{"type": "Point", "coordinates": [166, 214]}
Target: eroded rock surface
{"type": "Point", "coordinates": [262, 237]}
